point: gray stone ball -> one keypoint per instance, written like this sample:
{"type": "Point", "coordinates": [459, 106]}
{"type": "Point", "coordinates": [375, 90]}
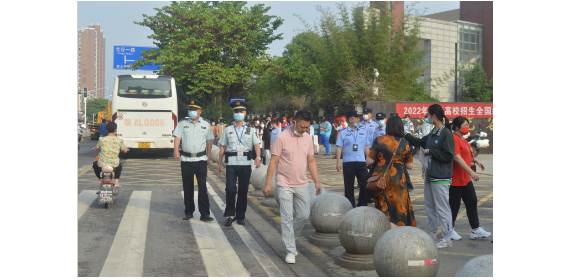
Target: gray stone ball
{"type": "Point", "coordinates": [481, 266]}
{"type": "Point", "coordinates": [406, 252]}
{"type": "Point", "coordinates": [273, 184]}
{"type": "Point", "coordinates": [328, 211]}
{"type": "Point", "coordinates": [361, 228]}
{"type": "Point", "coordinates": [257, 176]}
{"type": "Point", "coordinates": [215, 154]}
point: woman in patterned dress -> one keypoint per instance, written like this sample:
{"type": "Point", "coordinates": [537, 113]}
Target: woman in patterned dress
{"type": "Point", "coordinates": [394, 201]}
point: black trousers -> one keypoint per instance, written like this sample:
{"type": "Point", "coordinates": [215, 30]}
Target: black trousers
{"type": "Point", "coordinates": [98, 169]}
{"type": "Point", "coordinates": [234, 173]}
{"type": "Point", "coordinates": [265, 159]}
{"type": "Point", "coordinates": [467, 193]}
{"type": "Point", "coordinates": [189, 169]}
{"type": "Point", "coordinates": [358, 169]}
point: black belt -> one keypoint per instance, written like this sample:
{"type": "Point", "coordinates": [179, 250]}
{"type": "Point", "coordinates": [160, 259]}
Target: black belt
{"type": "Point", "coordinates": [249, 154]}
{"type": "Point", "coordinates": [193, 154]}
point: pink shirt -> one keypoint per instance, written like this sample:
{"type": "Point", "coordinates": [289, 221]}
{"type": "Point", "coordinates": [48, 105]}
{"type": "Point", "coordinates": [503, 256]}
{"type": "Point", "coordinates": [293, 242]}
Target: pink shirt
{"type": "Point", "coordinates": [293, 151]}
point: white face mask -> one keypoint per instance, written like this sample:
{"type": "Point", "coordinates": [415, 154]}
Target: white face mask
{"type": "Point", "coordinates": [262, 125]}
{"type": "Point", "coordinates": [295, 129]}
{"type": "Point", "coordinates": [365, 117]}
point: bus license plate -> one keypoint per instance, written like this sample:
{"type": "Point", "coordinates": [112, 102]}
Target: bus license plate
{"type": "Point", "coordinates": [145, 145]}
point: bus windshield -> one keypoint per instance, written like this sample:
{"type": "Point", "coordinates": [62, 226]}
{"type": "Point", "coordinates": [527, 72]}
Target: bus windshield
{"type": "Point", "coordinates": [144, 88]}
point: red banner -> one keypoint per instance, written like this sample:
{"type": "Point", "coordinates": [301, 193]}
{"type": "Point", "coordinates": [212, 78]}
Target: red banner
{"type": "Point", "coordinates": [451, 110]}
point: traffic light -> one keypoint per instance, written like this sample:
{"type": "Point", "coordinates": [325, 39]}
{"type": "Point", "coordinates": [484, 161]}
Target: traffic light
{"type": "Point", "coordinates": [84, 92]}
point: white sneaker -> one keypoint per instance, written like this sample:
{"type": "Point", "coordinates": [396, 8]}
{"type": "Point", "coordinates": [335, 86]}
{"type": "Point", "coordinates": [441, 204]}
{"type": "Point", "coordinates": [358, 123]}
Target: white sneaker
{"type": "Point", "coordinates": [444, 243]}
{"type": "Point", "coordinates": [455, 236]}
{"type": "Point", "coordinates": [480, 233]}
{"type": "Point", "coordinates": [290, 258]}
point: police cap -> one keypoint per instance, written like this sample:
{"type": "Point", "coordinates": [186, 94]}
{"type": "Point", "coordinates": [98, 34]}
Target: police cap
{"type": "Point", "coordinates": [194, 105]}
{"type": "Point", "coordinates": [238, 105]}
{"type": "Point", "coordinates": [380, 115]}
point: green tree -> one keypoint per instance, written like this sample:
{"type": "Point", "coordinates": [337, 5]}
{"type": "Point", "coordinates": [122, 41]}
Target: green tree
{"type": "Point", "coordinates": [95, 106]}
{"type": "Point", "coordinates": [332, 63]}
{"type": "Point", "coordinates": [211, 48]}
{"type": "Point", "coordinates": [475, 88]}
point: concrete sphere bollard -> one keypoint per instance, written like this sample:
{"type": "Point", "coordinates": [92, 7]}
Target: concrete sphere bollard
{"type": "Point", "coordinates": [359, 231]}
{"type": "Point", "coordinates": [481, 266]}
{"type": "Point", "coordinates": [326, 215]}
{"type": "Point", "coordinates": [269, 201]}
{"type": "Point", "coordinates": [257, 175]}
{"type": "Point", "coordinates": [256, 180]}
{"type": "Point", "coordinates": [215, 154]}
{"type": "Point", "coordinates": [406, 252]}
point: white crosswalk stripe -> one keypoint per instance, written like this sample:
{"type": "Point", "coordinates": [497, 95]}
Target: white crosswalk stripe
{"type": "Point", "coordinates": [85, 199]}
{"type": "Point", "coordinates": [255, 249]}
{"type": "Point", "coordinates": [218, 255]}
{"type": "Point", "coordinates": [126, 255]}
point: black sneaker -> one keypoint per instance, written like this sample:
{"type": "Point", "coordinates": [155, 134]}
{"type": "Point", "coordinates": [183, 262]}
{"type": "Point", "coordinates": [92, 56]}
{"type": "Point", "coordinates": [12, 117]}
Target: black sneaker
{"type": "Point", "coordinates": [241, 222]}
{"type": "Point", "coordinates": [206, 218]}
{"type": "Point", "coordinates": [188, 217]}
{"type": "Point", "coordinates": [229, 221]}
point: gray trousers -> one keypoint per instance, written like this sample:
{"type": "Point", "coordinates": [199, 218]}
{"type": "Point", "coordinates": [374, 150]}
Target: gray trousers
{"type": "Point", "coordinates": [436, 199]}
{"type": "Point", "coordinates": [296, 199]}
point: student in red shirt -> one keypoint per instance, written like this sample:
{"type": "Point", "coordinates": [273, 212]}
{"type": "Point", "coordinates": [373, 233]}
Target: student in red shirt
{"type": "Point", "coordinates": [461, 183]}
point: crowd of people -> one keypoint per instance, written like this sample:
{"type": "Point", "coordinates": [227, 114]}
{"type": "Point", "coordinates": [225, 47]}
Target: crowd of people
{"type": "Point", "coordinates": [364, 148]}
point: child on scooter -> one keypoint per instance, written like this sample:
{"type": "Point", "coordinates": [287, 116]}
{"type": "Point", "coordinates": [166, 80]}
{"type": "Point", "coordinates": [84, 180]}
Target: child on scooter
{"type": "Point", "coordinates": [110, 146]}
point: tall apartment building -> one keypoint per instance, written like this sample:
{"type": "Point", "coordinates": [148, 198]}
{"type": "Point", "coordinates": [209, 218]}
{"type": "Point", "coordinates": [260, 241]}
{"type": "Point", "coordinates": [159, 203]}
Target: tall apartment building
{"type": "Point", "coordinates": [91, 60]}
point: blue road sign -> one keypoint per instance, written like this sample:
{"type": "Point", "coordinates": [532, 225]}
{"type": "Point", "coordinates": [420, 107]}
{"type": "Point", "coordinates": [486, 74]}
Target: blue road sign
{"type": "Point", "coordinates": [124, 56]}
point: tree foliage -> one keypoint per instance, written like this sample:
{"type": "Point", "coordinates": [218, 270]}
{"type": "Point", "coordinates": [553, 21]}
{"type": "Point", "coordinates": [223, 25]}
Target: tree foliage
{"type": "Point", "coordinates": [212, 49]}
{"type": "Point", "coordinates": [95, 106]}
{"type": "Point", "coordinates": [475, 88]}
{"type": "Point", "coordinates": [332, 63]}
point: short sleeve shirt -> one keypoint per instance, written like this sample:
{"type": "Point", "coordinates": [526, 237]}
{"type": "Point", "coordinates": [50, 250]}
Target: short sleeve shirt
{"type": "Point", "coordinates": [379, 132]}
{"type": "Point", "coordinates": [322, 131]}
{"type": "Point", "coordinates": [293, 151]}
{"type": "Point", "coordinates": [347, 138]}
{"type": "Point", "coordinates": [274, 134]}
{"type": "Point", "coordinates": [460, 176]}
{"type": "Point", "coordinates": [110, 149]}
{"type": "Point", "coordinates": [370, 127]}
{"type": "Point", "coordinates": [103, 129]}
{"type": "Point", "coordinates": [193, 138]}
{"type": "Point", "coordinates": [329, 127]}
{"type": "Point", "coordinates": [231, 138]}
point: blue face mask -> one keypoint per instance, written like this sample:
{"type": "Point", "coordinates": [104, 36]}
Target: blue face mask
{"type": "Point", "coordinates": [429, 121]}
{"type": "Point", "coordinates": [192, 114]}
{"type": "Point", "coordinates": [381, 123]}
{"type": "Point", "coordinates": [239, 116]}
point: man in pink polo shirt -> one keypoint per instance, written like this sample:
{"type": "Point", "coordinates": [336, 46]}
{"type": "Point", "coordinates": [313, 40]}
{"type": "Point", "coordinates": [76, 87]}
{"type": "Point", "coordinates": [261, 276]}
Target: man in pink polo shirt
{"type": "Point", "coordinates": [291, 153]}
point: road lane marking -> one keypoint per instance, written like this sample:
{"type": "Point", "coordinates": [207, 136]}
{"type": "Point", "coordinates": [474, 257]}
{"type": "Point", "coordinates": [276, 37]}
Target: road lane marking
{"type": "Point", "coordinates": [85, 199]}
{"type": "Point", "coordinates": [126, 256]}
{"type": "Point", "coordinates": [82, 168]}
{"type": "Point", "coordinates": [258, 253]}
{"type": "Point", "coordinates": [217, 253]}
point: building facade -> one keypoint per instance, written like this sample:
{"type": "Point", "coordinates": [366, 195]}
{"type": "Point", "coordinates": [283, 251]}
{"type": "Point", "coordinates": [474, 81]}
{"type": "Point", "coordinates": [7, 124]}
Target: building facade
{"type": "Point", "coordinates": [90, 64]}
{"type": "Point", "coordinates": [462, 36]}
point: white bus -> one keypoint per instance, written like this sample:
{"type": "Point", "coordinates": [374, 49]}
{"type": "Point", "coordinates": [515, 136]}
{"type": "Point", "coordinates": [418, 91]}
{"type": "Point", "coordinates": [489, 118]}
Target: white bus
{"type": "Point", "coordinates": [146, 112]}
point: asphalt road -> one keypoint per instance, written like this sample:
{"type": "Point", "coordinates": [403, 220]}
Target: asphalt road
{"type": "Point", "coordinates": [146, 220]}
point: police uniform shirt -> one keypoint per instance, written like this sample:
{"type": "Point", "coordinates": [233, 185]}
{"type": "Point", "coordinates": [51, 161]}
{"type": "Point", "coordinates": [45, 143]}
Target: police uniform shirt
{"type": "Point", "coordinates": [347, 138]}
{"type": "Point", "coordinates": [193, 137]}
{"type": "Point", "coordinates": [378, 132]}
{"type": "Point", "coordinates": [370, 127]}
{"type": "Point", "coordinates": [409, 126]}
{"type": "Point", "coordinates": [230, 140]}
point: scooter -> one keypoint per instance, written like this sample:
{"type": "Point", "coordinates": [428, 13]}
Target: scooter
{"type": "Point", "coordinates": [477, 142]}
{"type": "Point", "coordinates": [107, 189]}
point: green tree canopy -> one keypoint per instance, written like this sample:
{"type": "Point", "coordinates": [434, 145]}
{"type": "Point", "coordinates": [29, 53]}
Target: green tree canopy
{"type": "Point", "coordinates": [332, 63]}
{"type": "Point", "coordinates": [212, 49]}
{"type": "Point", "coordinates": [95, 106]}
{"type": "Point", "coordinates": [475, 88]}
